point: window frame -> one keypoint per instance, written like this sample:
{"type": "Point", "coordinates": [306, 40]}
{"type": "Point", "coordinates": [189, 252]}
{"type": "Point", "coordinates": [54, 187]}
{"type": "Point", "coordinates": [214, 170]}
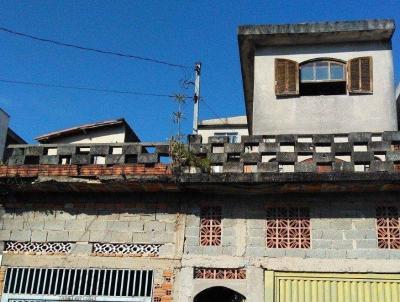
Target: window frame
{"type": "Point", "coordinates": [233, 137]}
{"type": "Point", "coordinates": [329, 61]}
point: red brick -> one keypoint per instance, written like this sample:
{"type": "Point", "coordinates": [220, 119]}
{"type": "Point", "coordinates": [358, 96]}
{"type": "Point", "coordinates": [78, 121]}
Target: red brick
{"type": "Point", "coordinates": [168, 273]}
{"type": "Point", "coordinates": [166, 286]}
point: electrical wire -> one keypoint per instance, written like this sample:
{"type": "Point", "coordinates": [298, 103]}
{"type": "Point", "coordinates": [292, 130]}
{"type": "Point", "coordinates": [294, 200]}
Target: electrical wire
{"type": "Point", "coordinates": [106, 52]}
{"type": "Point", "coordinates": [224, 122]}
{"type": "Point", "coordinates": [45, 85]}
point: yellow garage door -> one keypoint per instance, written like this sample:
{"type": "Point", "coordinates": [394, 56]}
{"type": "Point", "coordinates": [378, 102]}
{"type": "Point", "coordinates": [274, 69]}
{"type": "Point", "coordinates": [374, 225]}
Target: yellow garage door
{"type": "Point", "coordinates": [326, 287]}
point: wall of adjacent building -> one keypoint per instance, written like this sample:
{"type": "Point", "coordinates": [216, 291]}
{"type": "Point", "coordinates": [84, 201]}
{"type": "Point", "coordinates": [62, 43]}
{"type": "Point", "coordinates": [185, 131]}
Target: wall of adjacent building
{"type": "Point", "coordinates": [103, 135]}
{"type": "Point", "coordinates": [328, 113]}
{"type": "Point", "coordinates": [207, 132]}
{"type": "Point", "coordinates": [4, 120]}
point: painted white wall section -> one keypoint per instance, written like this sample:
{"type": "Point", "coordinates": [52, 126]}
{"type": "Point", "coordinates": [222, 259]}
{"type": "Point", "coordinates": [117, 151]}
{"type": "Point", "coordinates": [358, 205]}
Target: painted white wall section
{"type": "Point", "coordinates": [105, 135]}
{"type": "Point", "coordinates": [326, 113]}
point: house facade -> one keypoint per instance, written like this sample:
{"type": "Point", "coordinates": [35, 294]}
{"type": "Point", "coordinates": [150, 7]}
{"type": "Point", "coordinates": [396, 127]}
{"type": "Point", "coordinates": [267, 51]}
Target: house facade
{"type": "Point", "coordinates": [286, 69]}
{"type": "Point", "coordinates": [279, 216]}
{"type": "Point", "coordinates": [110, 131]}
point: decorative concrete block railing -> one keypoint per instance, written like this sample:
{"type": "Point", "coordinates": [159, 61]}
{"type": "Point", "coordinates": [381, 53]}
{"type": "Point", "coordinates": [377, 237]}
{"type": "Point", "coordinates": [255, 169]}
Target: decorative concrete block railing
{"type": "Point", "coordinates": [353, 152]}
{"type": "Point", "coordinates": [87, 154]}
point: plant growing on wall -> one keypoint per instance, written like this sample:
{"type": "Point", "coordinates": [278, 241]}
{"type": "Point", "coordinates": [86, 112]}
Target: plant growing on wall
{"type": "Point", "coordinates": [180, 153]}
{"type": "Point", "coordinates": [183, 157]}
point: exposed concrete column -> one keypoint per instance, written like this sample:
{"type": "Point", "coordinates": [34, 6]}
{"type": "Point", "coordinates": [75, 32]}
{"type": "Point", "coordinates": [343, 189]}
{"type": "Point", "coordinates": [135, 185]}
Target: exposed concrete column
{"type": "Point", "coordinates": [255, 284]}
{"type": "Point", "coordinates": [180, 231]}
{"type": "Point", "coordinates": [184, 285]}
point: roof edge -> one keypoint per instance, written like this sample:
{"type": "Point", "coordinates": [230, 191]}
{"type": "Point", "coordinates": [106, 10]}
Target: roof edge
{"type": "Point", "coordinates": [63, 132]}
{"type": "Point", "coordinates": [318, 27]}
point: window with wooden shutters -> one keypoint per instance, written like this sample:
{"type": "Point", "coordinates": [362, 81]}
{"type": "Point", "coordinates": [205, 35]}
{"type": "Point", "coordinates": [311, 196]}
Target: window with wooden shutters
{"type": "Point", "coordinates": [323, 77]}
{"type": "Point", "coordinates": [286, 77]}
{"type": "Point", "coordinates": [360, 75]}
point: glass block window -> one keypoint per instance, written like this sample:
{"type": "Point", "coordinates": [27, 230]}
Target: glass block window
{"type": "Point", "coordinates": [288, 228]}
{"type": "Point", "coordinates": [219, 273]}
{"type": "Point", "coordinates": [388, 227]}
{"type": "Point", "coordinates": [210, 226]}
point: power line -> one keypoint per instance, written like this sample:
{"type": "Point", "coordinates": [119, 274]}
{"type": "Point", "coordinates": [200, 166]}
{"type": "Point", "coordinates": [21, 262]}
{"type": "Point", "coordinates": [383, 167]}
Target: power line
{"type": "Point", "coordinates": [106, 52]}
{"type": "Point", "coordinates": [213, 112]}
{"type": "Point", "coordinates": [45, 85]}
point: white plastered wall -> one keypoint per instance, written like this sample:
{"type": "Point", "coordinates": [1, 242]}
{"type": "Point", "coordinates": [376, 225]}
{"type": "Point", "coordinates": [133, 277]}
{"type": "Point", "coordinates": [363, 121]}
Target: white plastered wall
{"type": "Point", "coordinates": [324, 114]}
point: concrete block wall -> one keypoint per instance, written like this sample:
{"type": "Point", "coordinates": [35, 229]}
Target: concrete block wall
{"type": "Point", "coordinates": [343, 226]}
{"type": "Point", "coordinates": [83, 221]}
{"type": "Point", "coordinates": [232, 226]}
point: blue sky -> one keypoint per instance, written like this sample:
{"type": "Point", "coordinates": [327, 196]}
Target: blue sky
{"type": "Point", "coordinates": [180, 32]}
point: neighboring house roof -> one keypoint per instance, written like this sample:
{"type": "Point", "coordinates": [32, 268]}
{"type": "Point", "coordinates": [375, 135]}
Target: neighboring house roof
{"type": "Point", "coordinates": [5, 113]}
{"type": "Point", "coordinates": [14, 138]}
{"type": "Point", "coordinates": [87, 127]}
{"type": "Point", "coordinates": [225, 122]}
{"type": "Point", "coordinates": [252, 36]}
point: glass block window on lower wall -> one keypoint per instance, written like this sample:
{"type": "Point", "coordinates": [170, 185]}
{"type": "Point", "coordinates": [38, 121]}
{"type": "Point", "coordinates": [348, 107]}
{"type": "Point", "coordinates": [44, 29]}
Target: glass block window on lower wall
{"type": "Point", "coordinates": [37, 248]}
{"type": "Point", "coordinates": [125, 249]}
{"type": "Point", "coordinates": [388, 227]}
{"type": "Point", "coordinates": [288, 228]}
{"type": "Point", "coordinates": [219, 273]}
{"type": "Point", "coordinates": [210, 226]}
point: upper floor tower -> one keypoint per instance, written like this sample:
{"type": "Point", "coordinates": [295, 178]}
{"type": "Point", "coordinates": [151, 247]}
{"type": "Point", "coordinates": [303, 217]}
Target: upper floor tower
{"type": "Point", "coordinates": [318, 77]}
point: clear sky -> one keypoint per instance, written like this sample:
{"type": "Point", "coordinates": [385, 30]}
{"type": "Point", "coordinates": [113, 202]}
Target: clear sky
{"type": "Point", "coordinates": [180, 32]}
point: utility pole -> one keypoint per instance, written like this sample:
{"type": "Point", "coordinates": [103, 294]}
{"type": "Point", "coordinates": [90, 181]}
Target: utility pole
{"type": "Point", "coordinates": [196, 96]}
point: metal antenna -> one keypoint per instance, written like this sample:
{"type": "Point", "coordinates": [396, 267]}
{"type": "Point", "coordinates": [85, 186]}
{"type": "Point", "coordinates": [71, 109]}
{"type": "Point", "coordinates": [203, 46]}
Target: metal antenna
{"type": "Point", "coordinates": [196, 97]}
{"type": "Point", "coordinates": [178, 115]}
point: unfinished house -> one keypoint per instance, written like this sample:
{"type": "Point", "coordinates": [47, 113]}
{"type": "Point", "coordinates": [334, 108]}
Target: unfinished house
{"type": "Point", "coordinates": [305, 208]}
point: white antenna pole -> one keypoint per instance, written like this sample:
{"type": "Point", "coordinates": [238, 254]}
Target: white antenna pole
{"type": "Point", "coordinates": [196, 97]}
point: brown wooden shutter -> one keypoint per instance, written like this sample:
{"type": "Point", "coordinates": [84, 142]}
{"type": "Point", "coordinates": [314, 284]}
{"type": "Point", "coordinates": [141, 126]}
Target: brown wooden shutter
{"type": "Point", "coordinates": [286, 77]}
{"type": "Point", "coordinates": [360, 75]}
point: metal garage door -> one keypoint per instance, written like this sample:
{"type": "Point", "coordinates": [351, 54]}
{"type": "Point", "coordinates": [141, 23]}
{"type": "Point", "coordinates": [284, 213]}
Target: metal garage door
{"type": "Point", "coordinates": [23, 284]}
{"type": "Point", "coordinates": [326, 287]}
